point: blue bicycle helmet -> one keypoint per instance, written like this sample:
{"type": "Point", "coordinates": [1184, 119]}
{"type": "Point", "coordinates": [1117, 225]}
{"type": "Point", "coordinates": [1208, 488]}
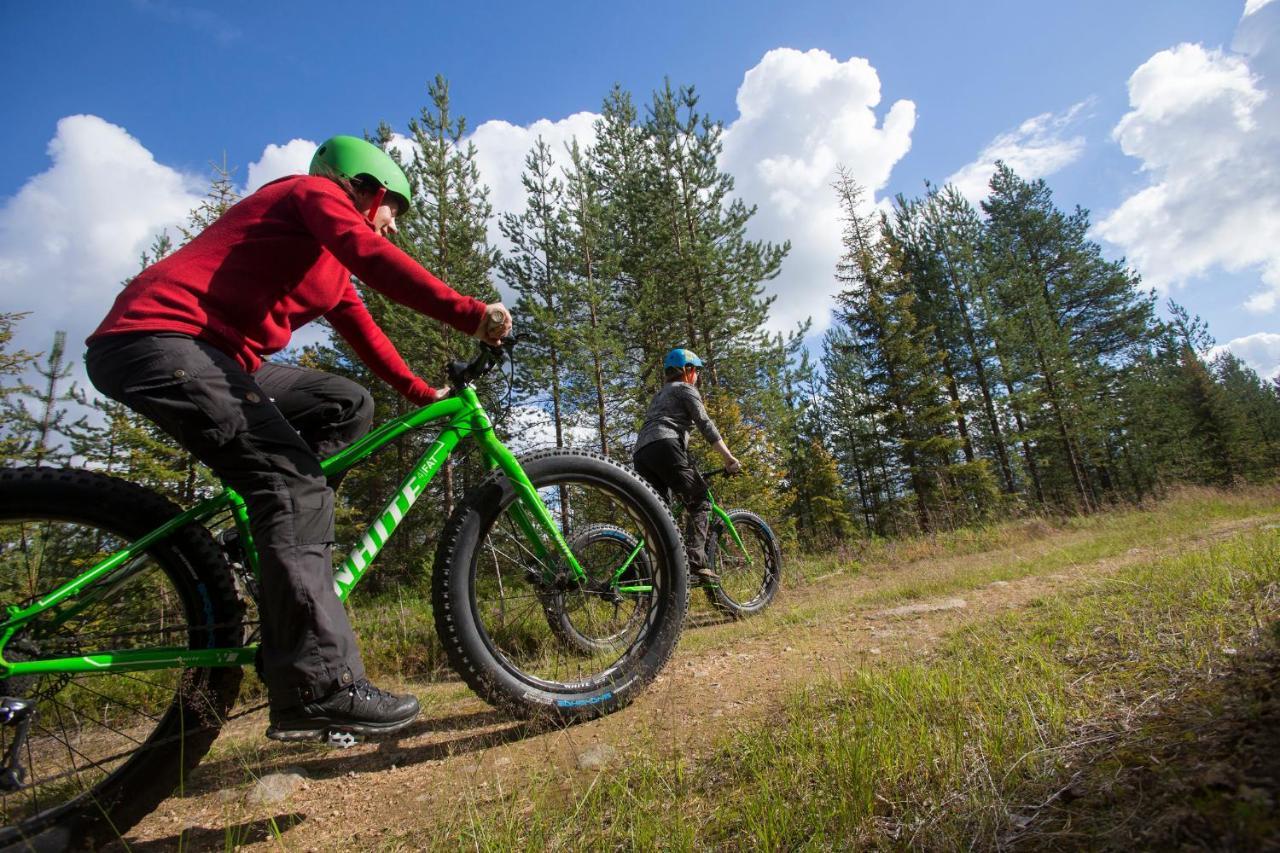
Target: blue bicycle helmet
{"type": "Point", "coordinates": [680, 359]}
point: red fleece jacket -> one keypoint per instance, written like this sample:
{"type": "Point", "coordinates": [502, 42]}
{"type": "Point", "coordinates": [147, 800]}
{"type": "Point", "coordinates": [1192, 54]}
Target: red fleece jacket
{"type": "Point", "coordinates": [277, 260]}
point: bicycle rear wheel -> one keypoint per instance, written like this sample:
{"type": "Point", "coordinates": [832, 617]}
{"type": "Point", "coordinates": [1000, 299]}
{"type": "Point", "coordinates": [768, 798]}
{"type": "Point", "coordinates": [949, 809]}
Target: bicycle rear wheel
{"type": "Point", "coordinates": [749, 575]}
{"type": "Point", "coordinates": [104, 749]}
{"type": "Point", "coordinates": [525, 635]}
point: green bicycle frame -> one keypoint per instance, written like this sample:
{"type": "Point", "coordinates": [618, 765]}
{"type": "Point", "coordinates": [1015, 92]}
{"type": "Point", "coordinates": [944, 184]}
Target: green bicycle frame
{"type": "Point", "coordinates": [465, 418]}
{"type": "Point", "coordinates": [723, 516]}
{"type": "Point", "coordinates": [728, 522]}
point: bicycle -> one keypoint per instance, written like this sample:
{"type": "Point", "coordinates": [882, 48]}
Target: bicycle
{"type": "Point", "coordinates": [124, 639]}
{"type": "Point", "coordinates": [743, 551]}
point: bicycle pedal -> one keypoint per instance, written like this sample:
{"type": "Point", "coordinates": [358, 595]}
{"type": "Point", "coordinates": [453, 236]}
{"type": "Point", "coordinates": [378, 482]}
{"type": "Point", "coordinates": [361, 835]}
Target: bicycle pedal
{"type": "Point", "coordinates": [340, 739]}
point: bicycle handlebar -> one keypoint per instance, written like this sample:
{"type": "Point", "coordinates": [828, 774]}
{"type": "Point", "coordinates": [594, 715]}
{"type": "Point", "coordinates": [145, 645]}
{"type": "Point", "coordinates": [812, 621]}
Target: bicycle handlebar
{"type": "Point", "coordinates": [462, 373]}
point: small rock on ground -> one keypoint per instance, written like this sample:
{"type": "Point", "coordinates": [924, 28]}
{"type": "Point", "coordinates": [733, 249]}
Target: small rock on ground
{"type": "Point", "coordinates": [596, 757]}
{"type": "Point", "coordinates": [275, 787]}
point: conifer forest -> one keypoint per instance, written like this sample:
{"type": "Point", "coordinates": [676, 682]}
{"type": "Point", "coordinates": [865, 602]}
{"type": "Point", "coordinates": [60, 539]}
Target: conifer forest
{"type": "Point", "coordinates": [983, 362]}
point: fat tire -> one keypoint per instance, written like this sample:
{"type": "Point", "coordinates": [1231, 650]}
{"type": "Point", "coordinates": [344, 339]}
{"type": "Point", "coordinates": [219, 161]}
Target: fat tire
{"type": "Point", "coordinates": [195, 567]}
{"type": "Point", "coordinates": [473, 659]}
{"type": "Point", "coordinates": [747, 524]}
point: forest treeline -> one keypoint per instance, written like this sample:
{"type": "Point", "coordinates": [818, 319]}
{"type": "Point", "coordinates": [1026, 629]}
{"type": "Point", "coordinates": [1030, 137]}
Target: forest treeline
{"type": "Point", "coordinates": [981, 363]}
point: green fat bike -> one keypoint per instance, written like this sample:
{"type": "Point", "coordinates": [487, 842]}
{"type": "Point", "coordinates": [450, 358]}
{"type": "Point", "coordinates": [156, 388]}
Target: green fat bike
{"type": "Point", "coordinates": [123, 626]}
{"type": "Point", "coordinates": [743, 551]}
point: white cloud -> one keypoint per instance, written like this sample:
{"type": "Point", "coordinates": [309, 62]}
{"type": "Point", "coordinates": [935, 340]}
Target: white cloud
{"type": "Point", "coordinates": [1260, 351]}
{"type": "Point", "coordinates": [1205, 125]}
{"type": "Point", "coordinates": [72, 233]}
{"type": "Point", "coordinates": [1037, 148]}
{"type": "Point", "coordinates": [500, 151]}
{"type": "Point", "coordinates": [801, 115]}
{"type": "Point", "coordinates": [292, 158]}
{"type": "Point", "coordinates": [1251, 6]}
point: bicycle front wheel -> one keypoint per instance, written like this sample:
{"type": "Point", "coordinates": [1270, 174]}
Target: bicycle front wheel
{"type": "Point", "coordinates": [103, 749]}
{"type": "Point", "coordinates": [750, 573]}
{"type": "Point", "coordinates": [524, 633]}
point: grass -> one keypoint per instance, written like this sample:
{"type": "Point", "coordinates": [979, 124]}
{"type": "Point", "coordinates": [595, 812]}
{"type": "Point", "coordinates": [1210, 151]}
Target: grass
{"type": "Point", "coordinates": [893, 572]}
{"type": "Point", "coordinates": [933, 752]}
{"type": "Point", "coordinates": [959, 749]}
{"type": "Point", "coordinates": [398, 639]}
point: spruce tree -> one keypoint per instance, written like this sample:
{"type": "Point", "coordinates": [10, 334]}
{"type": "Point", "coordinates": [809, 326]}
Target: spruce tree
{"type": "Point", "coordinates": [38, 416]}
{"type": "Point", "coordinates": [877, 305]}
{"type": "Point", "coordinates": [13, 365]}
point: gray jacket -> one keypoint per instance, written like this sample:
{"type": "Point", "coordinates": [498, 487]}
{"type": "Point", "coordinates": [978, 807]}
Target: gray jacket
{"type": "Point", "coordinates": [675, 410]}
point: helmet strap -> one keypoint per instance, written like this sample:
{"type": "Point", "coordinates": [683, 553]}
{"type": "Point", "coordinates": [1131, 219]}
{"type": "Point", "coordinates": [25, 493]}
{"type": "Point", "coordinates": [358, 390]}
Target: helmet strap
{"type": "Point", "coordinates": [376, 203]}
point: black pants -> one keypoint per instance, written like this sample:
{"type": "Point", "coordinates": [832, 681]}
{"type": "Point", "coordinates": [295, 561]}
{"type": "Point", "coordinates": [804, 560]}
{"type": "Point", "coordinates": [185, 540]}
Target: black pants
{"type": "Point", "coordinates": [264, 435]}
{"type": "Point", "coordinates": [667, 466]}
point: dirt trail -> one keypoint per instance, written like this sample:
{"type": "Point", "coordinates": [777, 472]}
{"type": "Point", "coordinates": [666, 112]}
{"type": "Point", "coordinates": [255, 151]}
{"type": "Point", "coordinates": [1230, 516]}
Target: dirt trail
{"type": "Point", "coordinates": [460, 754]}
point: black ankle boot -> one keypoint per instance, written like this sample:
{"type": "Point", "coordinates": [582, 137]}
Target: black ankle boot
{"type": "Point", "coordinates": [360, 709]}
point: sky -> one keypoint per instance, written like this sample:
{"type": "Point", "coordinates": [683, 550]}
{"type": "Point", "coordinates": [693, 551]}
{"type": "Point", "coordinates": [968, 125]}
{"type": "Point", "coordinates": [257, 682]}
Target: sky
{"type": "Point", "coordinates": [1162, 117]}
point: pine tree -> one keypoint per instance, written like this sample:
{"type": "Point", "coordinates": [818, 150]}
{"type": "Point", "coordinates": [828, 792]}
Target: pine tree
{"type": "Point", "coordinates": [601, 385]}
{"type": "Point", "coordinates": [1069, 322]}
{"type": "Point", "coordinates": [817, 495]}
{"type": "Point", "coordinates": [1255, 414]}
{"type": "Point", "coordinates": [120, 442]}
{"type": "Point", "coordinates": [538, 270]}
{"type": "Point", "coordinates": [1215, 425]}
{"type": "Point", "coordinates": [445, 231]}
{"type": "Point", "coordinates": [852, 427]}
{"type": "Point", "coordinates": [953, 232]}
{"type": "Point", "coordinates": [218, 198]}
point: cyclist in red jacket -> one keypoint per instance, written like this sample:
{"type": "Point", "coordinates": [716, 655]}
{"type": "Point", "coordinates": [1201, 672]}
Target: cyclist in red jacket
{"type": "Point", "coordinates": [184, 345]}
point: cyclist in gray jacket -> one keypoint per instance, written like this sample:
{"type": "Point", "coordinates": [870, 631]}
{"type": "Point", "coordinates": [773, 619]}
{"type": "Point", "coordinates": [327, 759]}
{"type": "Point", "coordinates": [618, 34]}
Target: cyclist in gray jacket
{"type": "Point", "coordinates": [661, 453]}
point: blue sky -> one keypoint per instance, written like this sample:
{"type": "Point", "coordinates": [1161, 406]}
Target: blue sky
{"type": "Point", "coordinates": [899, 91]}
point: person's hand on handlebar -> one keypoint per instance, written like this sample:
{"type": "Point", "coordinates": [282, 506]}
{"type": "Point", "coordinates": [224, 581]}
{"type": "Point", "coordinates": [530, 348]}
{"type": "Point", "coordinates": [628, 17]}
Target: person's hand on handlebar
{"type": "Point", "coordinates": [731, 463]}
{"type": "Point", "coordinates": [494, 325]}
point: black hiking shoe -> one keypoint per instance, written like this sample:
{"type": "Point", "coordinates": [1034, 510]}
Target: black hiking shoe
{"type": "Point", "coordinates": [703, 577]}
{"type": "Point", "coordinates": [360, 709]}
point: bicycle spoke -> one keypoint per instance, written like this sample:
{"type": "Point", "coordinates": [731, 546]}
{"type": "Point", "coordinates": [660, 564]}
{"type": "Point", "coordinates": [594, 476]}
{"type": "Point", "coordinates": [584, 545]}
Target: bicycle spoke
{"type": "Point", "coordinates": [133, 708]}
{"type": "Point", "coordinates": [100, 723]}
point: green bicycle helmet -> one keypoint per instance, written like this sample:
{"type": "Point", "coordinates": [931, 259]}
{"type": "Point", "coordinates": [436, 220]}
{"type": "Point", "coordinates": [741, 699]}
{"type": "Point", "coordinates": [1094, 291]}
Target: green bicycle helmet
{"type": "Point", "coordinates": [351, 157]}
